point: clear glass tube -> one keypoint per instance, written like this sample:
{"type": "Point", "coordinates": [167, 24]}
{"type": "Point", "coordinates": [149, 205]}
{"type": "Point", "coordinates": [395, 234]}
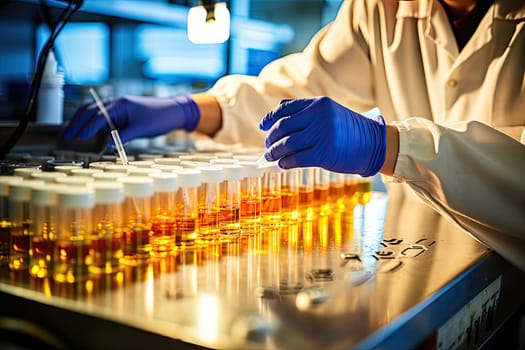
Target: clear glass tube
{"type": "Point", "coordinates": [271, 196]}
{"type": "Point", "coordinates": [251, 197]}
{"type": "Point", "coordinates": [290, 195]}
{"type": "Point", "coordinates": [209, 202]}
{"type": "Point", "coordinates": [72, 253]}
{"type": "Point", "coordinates": [5, 218]}
{"type": "Point", "coordinates": [337, 187]}
{"type": "Point", "coordinates": [306, 193]}
{"type": "Point", "coordinates": [322, 190]}
{"type": "Point", "coordinates": [138, 192]}
{"type": "Point", "coordinates": [107, 238]}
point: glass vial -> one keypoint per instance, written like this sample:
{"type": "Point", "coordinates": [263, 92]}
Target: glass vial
{"type": "Point", "coordinates": [5, 218]}
{"type": "Point", "coordinates": [230, 200]}
{"type": "Point", "coordinates": [251, 197]}
{"type": "Point", "coordinates": [290, 195]}
{"type": "Point", "coordinates": [107, 239]}
{"type": "Point", "coordinates": [44, 216]}
{"type": "Point", "coordinates": [73, 255]}
{"type": "Point", "coordinates": [138, 193]}
{"type": "Point", "coordinates": [271, 196]}
{"type": "Point", "coordinates": [306, 193]}
{"type": "Point", "coordinates": [322, 190]}
{"type": "Point", "coordinates": [165, 187]}
{"type": "Point", "coordinates": [187, 208]}
{"type": "Point", "coordinates": [209, 193]}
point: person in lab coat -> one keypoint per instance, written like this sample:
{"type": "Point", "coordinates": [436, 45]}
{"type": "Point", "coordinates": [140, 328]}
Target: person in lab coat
{"type": "Point", "coordinates": [448, 77]}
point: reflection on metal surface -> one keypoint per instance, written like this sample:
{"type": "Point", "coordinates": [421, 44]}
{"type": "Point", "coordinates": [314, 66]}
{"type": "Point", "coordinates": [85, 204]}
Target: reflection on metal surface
{"type": "Point", "coordinates": [335, 281]}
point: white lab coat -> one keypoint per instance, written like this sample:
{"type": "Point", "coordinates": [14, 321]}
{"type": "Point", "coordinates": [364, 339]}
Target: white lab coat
{"type": "Point", "coordinates": [461, 115]}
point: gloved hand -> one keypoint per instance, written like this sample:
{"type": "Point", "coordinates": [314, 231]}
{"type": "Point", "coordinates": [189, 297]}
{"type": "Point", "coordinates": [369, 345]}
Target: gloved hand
{"type": "Point", "coordinates": [320, 132]}
{"type": "Point", "coordinates": [136, 116]}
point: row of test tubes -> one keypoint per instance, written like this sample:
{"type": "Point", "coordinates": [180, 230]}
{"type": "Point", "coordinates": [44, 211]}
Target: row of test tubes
{"type": "Point", "coordinates": [74, 222]}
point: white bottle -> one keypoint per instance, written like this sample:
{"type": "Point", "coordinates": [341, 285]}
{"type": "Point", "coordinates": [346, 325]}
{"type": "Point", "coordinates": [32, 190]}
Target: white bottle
{"type": "Point", "coordinates": [50, 106]}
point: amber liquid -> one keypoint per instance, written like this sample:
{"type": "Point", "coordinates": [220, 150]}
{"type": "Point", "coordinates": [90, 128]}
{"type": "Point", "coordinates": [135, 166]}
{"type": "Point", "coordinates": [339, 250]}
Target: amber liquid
{"type": "Point", "coordinates": [230, 220]}
{"type": "Point", "coordinates": [271, 208]}
{"type": "Point", "coordinates": [321, 198]}
{"type": "Point", "coordinates": [71, 260]}
{"type": "Point", "coordinates": [364, 192]}
{"type": "Point", "coordinates": [19, 254]}
{"type": "Point", "coordinates": [336, 194]}
{"type": "Point", "coordinates": [41, 257]}
{"type": "Point", "coordinates": [162, 235]}
{"type": "Point", "coordinates": [208, 223]}
{"type": "Point", "coordinates": [137, 245]}
{"type": "Point", "coordinates": [306, 203]}
{"type": "Point", "coordinates": [5, 234]}
{"type": "Point", "coordinates": [108, 252]}
{"type": "Point", "coordinates": [250, 215]}
{"type": "Point", "coordinates": [186, 230]}
{"type": "Point", "coordinates": [289, 205]}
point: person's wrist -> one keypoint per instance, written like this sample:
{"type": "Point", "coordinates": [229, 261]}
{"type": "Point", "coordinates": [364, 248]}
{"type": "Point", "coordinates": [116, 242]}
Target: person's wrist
{"type": "Point", "coordinates": [392, 150]}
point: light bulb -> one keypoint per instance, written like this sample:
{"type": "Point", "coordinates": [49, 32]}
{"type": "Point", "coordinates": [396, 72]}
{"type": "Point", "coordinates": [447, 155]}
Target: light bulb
{"type": "Point", "coordinates": [215, 30]}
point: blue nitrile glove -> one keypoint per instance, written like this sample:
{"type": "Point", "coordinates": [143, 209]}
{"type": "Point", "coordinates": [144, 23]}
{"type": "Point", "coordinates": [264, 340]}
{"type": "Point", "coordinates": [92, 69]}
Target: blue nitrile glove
{"type": "Point", "coordinates": [320, 132]}
{"type": "Point", "coordinates": [136, 116]}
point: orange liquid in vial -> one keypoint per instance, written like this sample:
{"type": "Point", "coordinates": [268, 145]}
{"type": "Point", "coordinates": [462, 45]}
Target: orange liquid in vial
{"type": "Point", "coordinates": [162, 234]}
{"type": "Point", "coordinates": [229, 220]}
{"type": "Point", "coordinates": [72, 259]}
{"type": "Point", "coordinates": [107, 254]}
{"type": "Point", "coordinates": [137, 245]}
{"type": "Point", "coordinates": [306, 197]}
{"type": "Point", "coordinates": [271, 208]}
{"type": "Point", "coordinates": [364, 192]}
{"type": "Point", "coordinates": [208, 223]}
{"type": "Point", "coordinates": [186, 231]}
{"type": "Point", "coordinates": [19, 254]}
{"type": "Point", "coordinates": [250, 215]}
{"type": "Point", "coordinates": [5, 234]}
{"type": "Point", "coordinates": [41, 256]}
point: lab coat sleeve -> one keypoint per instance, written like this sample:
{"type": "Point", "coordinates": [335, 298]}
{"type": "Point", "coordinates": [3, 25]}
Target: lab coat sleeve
{"type": "Point", "coordinates": [473, 174]}
{"type": "Point", "coordinates": [335, 63]}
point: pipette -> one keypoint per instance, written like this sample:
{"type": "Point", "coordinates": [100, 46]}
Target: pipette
{"type": "Point", "coordinates": [114, 132]}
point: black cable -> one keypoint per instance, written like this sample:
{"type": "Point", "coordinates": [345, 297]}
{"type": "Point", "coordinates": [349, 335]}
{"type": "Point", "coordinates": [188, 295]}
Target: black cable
{"type": "Point", "coordinates": [29, 110]}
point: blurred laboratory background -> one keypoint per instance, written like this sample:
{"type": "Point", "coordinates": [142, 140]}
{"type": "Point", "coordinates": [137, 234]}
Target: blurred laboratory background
{"type": "Point", "coordinates": [141, 47]}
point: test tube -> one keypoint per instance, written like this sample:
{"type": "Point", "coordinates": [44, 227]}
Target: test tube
{"type": "Point", "coordinates": [187, 208]}
{"type": "Point", "coordinates": [251, 197]}
{"type": "Point", "coordinates": [230, 201]}
{"type": "Point", "coordinates": [209, 193]}
{"type": "Point", "coordinates": [322, 190]}
{"type": "Point", "coordinates": [138, 192]}
{"type": "Point", "coordinates": [5, 217]}
{"type": "Point", "coordinates": [290, 195]}
{"type": "Point", "coordinates": [72, 255]}
{"type": "Point", "coordinates": [43, 211]}
{"type": "Point", "coordinates": [107, 240]}
{"type": "Point", "coordinates": [336, 192]}
{"type": "Point", "coordinates": [19, 199]}
{"type": "Point", "coordinates": [271, 196]}
{"type": "Point", "coordinates": [163, 213]}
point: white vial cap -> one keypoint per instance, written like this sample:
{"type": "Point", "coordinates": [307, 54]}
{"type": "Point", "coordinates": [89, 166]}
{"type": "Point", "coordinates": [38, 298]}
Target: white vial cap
{"type": "Point", "coordinates": [166, 168]}
{"type": "Point", "coordinates": [75, 180]}
{"type": "Point", "coordinates": [4, 184]}
{"type": "Point", "coordinates": [142, 163]}
{"type": "Point", "coordinates": [49, 176]}
{"type": "Point", "coordinates": [189, 177]}
{"type": "Point", "coordinates": [164, 182]}
{"type": "Point", "coordinates": [76, 197]}
{"type": "Point", "coordinates": [66, 169]}
{"type": "Point", "coordinates": [271, 168]}
{"type": "Point", "coordinates": [137, 186]}
{"type": "Point", "coordinates": [193, 164]}
{"type": "Point", "coordinates": [100, 165]}
{"type": "Point", "coordinates": [246, 157]}
{"type": "Point", "coordinates": [252, 169]}
{"type": "Point", "coordinates": [224, 161]}
{"type": "Point", "coordinates": [26, 172]}
{"type": "Point", "coordinates": [223, 154]}
{"type": "Point", "coordinates": [45, 195]}
{"type": "Point", "coordinates": [142, 171]}
{"type": "Point", "coordinates": [107, 176]}
{"type": "Point", "coordinates": [233, 172]}
{"type": "Point", "coordinates": [20, 191]}
{"type": "Point", "coordinates": [108, 192]}
{"type": "Point", "coordinates": [119, 168]}
{"type": "Point", "coordinates": [84, 172]}
{"type": "Point", "coordinates": [212, 174]}
{"type": "Point", "coordinates": [167, 161]}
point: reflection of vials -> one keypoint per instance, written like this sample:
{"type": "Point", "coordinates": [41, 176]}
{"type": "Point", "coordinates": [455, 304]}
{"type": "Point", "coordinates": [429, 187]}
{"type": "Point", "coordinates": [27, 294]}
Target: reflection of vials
{"type": "Point", "coordinates": [5, 218]}
{"type": "Point", "coordinates": [251, 197]}
{"type": "Point", "coordinates": [138, 192]}
{"type": "Point", "coordinates": [163, 213]}
{"type": "Point", "coordinates": [19, 199]}
{"type": "Point", "coordinates": [73, 255]}
{"type": "Point", "coordinates": [271, 196]}
{"type": "Point", "coordinates": [107, 241]}
{"type": "Point", "coordinates": [209, 195]}
{"type": "Point", "coordinates": [187, 208]}
{"type": "Point", "coordinates": [44, 214]}
{"type": "Point", "coordinates": [230, 200]}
